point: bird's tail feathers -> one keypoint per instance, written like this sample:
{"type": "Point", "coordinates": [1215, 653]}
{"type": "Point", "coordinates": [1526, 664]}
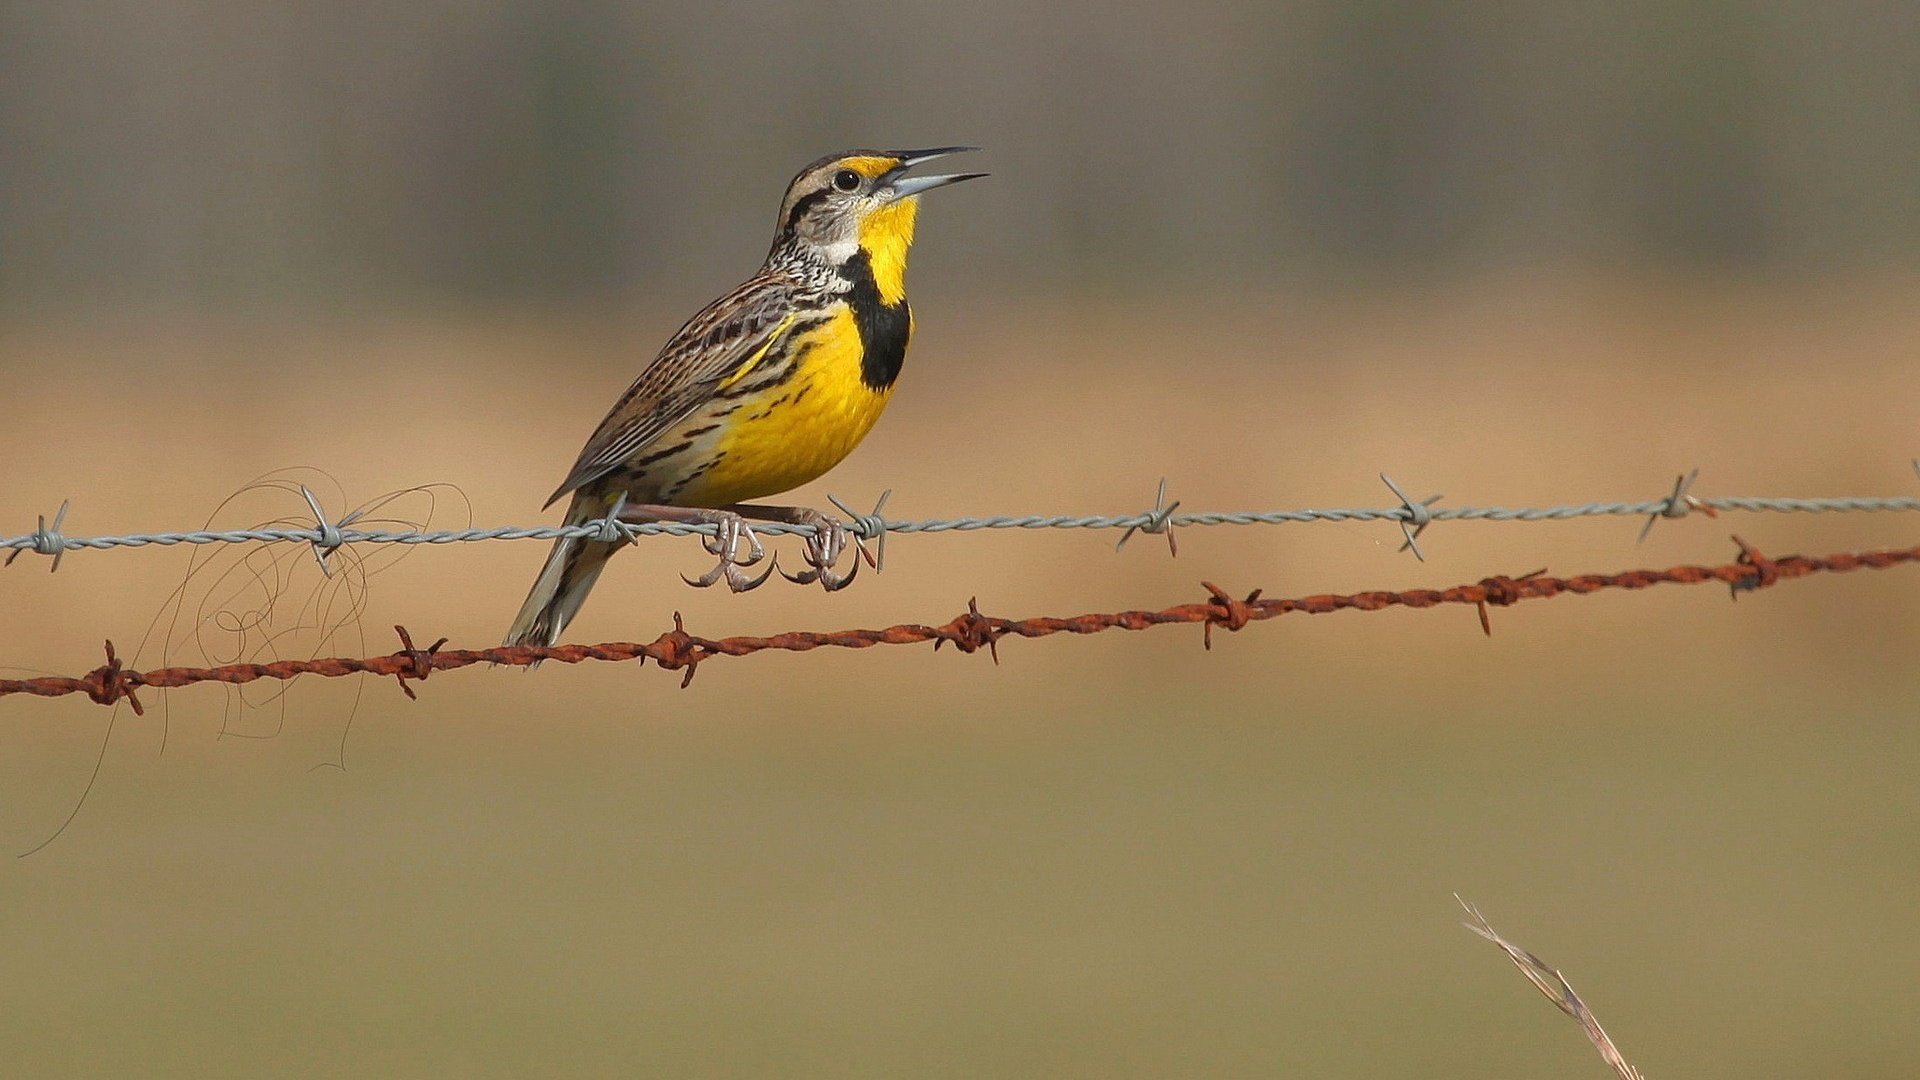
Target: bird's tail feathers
{"type": "Point", "coordinates": [572, 567]}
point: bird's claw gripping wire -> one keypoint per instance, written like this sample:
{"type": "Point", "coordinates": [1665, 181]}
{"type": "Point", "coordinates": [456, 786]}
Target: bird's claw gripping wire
{"type": "Point", "coordinates": [823, 549]}
{"type": "Point", "coordinates": [730, 531]}
{"type": "Point", "coordinates": [828, 539]}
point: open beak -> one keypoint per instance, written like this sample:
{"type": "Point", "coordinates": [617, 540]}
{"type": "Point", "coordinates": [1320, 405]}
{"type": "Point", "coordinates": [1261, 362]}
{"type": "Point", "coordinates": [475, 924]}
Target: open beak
{"type": "Point", "coordinates": [900, 186]}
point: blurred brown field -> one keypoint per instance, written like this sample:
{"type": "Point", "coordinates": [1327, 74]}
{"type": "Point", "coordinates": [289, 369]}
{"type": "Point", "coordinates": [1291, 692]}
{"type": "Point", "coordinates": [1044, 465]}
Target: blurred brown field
{"type": "Point", "coordinates": [1118, 855]}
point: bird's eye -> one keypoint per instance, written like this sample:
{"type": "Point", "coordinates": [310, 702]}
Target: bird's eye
{"type": "Point", "coordinates": [847, 180]}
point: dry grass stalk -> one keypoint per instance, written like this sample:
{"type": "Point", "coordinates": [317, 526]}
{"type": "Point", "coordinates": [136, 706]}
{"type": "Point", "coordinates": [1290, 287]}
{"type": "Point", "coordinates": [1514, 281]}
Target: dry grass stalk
{"type": "Point", "coordinates": [1556, 988]}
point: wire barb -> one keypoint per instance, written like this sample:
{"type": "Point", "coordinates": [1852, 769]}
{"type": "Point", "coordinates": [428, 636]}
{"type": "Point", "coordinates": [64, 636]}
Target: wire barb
{"type": "Point", "coordinates": [1503, 591]}
{"type": "Point", "coordinates": [971, 631]}
{"type": "Point", "coordinates": [1678, 504]}
{"type": "Point", "coordinates": [677, 650]}
{"type": "Point", "coordinates": [1225, 612]}
{"type": "Point", "coordinates": [420, 661]}
{"type": "Point", "coordinates": [1158, 520]}
{"type": "Point", "coordinates": [329, 537]}
{"type": "Point", "coordinates": [1766, 571]}
{"type": "Point", "coordinates": [612, 530]}
{"type": "Point", "coordinates": [45, 541]}
{"type": "Point", "coordinates": [111, 681]}
{"type": "Point", "coordinates": [868, 526]}
{"type": "Point", "coordinates": [1417, 516]}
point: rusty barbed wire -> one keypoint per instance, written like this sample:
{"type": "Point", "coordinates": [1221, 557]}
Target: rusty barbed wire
{"type": "Point", "coordinates": [971, 631]}
{"type": "Point", "coordinates": [1413, 516]}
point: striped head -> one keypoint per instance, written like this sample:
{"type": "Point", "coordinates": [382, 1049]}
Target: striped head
{"type": "Point", "coordinates": [859, 202]}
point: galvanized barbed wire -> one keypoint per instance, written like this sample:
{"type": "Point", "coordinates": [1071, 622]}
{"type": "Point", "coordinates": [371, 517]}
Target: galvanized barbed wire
{"type": "Point", "coordinates": [1413, 517]}
{"type": "Point", "coordinates": [678, 650]}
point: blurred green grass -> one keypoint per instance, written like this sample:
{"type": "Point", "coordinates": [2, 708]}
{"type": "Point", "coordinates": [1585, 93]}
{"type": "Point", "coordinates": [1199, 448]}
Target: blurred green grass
{"type": "Point", "coordinates": [1017, 882]}
{"type": "Point", "coordinates": [1113, 855]}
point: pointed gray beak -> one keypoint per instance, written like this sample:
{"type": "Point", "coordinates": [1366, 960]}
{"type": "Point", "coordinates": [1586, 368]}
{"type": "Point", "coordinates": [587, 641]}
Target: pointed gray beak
{"type": "Point", "coordinates": [900, 186]}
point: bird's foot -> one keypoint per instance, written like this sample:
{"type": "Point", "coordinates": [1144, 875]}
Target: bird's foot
{"type": "Point", "coordinates": [824, 549]}
{"type": "Point", "coordinates": [731, 532]}
{"type": "Point", "coordinates": [731, 535]}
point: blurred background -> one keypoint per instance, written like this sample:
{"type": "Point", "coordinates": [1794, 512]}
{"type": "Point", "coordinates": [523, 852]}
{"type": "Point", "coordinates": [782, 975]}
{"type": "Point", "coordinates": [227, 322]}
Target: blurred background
{"type": "Point", "coordinates": [1519, 254]}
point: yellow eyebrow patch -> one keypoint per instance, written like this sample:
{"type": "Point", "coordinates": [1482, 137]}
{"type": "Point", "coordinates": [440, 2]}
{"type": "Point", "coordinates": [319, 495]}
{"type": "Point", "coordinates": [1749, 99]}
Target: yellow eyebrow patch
{"type": "Point", "coordinates": [869, 167]}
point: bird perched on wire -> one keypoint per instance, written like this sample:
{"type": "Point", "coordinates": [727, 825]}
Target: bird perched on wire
{"type": "Point", "coordinates": [765, 389]}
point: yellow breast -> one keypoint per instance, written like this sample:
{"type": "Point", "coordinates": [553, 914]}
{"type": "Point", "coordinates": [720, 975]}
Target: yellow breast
{"type": "Point", "coordinates": [795, 431]}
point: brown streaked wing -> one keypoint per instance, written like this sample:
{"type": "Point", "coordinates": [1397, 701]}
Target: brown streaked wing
{"type": "Point", "coordinates": [700, 356]}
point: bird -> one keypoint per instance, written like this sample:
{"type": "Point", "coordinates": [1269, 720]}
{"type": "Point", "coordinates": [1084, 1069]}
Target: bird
{"type": "Point", "coordinates": [764, 389]}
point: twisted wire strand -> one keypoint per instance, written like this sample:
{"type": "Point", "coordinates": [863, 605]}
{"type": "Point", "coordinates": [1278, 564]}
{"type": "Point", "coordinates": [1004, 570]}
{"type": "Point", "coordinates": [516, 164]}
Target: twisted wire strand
{"type": "Point", "coordinates": [678, 650]}
{"type": "Point", "coordinates": [52, 542]}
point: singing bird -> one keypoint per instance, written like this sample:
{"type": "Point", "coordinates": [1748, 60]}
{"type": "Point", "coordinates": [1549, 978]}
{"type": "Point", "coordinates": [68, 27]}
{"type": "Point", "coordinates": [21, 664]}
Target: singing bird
{"type": "Point", "coordinates": [763, 390]}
